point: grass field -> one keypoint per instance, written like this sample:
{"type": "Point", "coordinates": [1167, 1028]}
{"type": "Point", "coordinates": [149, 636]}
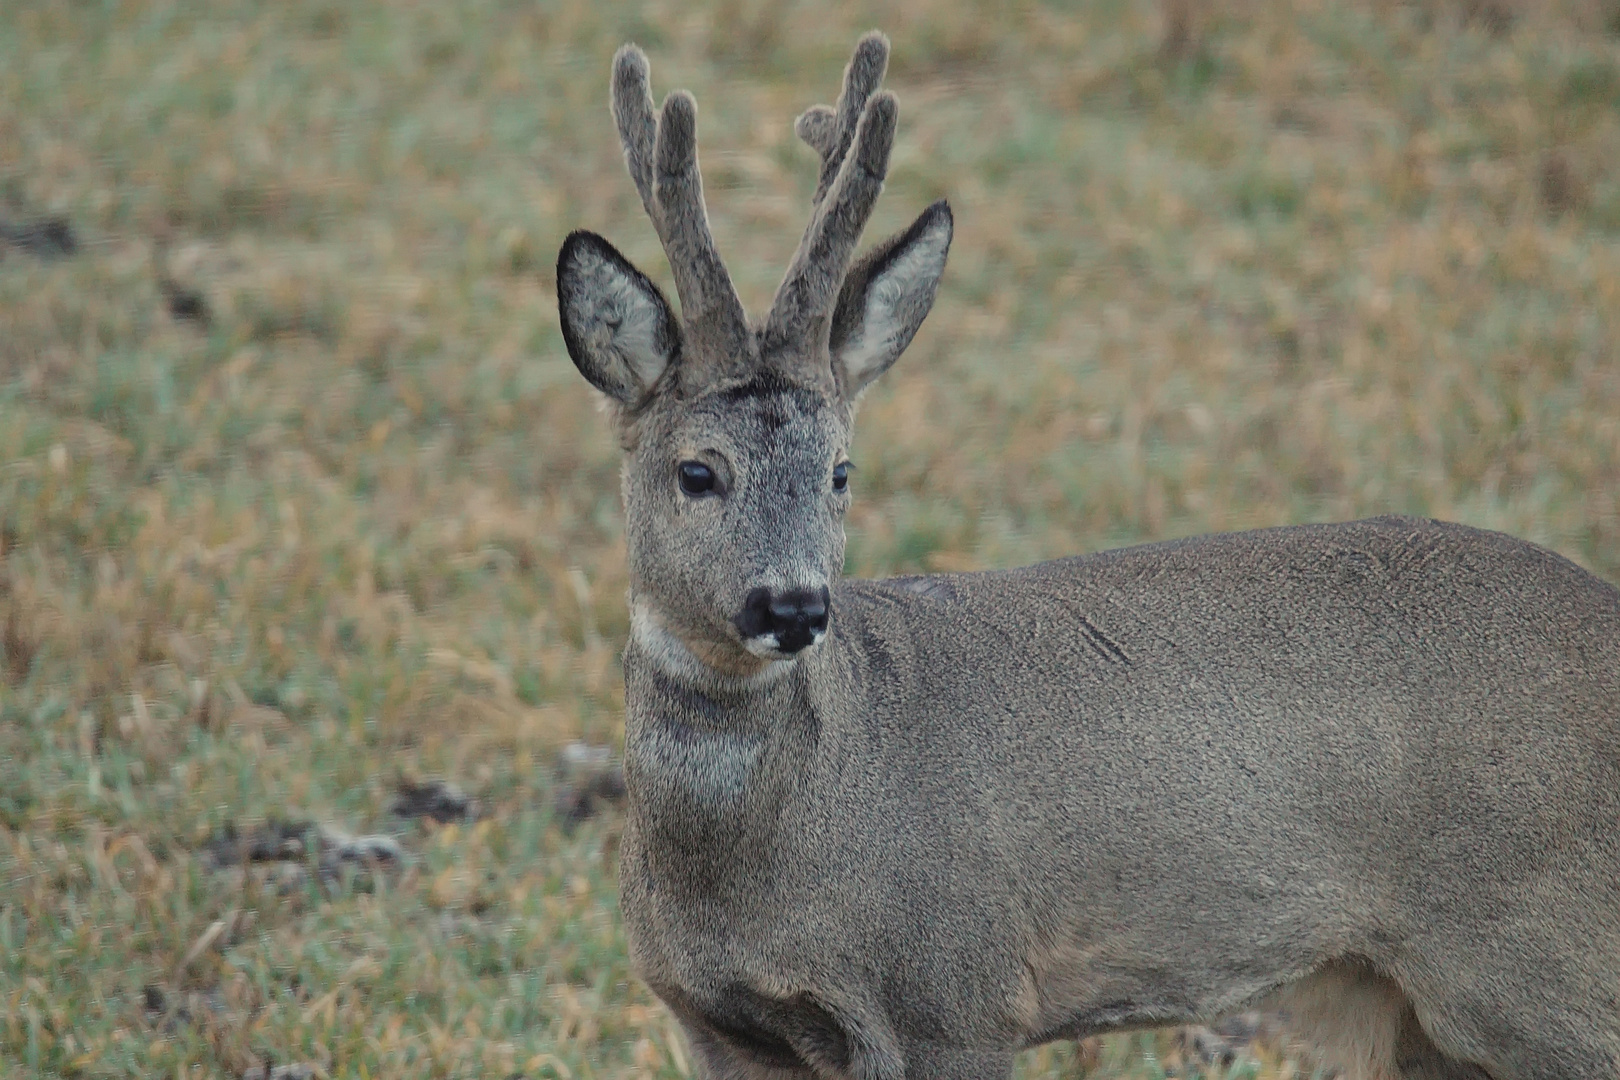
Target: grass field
{"type": "Point", "coordinates": [300, 497]}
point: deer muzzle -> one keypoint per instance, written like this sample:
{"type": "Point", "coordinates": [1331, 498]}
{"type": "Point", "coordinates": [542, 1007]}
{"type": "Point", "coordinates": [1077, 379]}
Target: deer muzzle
{"type": "Point", "coordinates": [783, 621]}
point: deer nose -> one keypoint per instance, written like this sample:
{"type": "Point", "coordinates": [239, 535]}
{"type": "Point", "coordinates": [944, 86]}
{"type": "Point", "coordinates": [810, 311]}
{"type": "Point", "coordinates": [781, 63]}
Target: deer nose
{"type": "Point", "coordinates": [795, 616]}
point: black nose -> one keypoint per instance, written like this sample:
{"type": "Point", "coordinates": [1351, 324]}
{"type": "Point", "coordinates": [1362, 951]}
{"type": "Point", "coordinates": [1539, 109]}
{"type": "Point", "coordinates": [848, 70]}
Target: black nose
{"type": "Point", "coordinates": [795, 616]}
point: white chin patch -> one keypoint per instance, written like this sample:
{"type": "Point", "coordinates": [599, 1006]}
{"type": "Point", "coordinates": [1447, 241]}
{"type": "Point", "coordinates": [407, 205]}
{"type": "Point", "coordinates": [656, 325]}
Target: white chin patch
{"type": "Point", "coordinates": [769, 646]}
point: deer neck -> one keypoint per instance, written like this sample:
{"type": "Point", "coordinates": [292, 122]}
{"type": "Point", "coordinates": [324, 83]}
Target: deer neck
{"type": "Point", "coordinates": [712, 752]}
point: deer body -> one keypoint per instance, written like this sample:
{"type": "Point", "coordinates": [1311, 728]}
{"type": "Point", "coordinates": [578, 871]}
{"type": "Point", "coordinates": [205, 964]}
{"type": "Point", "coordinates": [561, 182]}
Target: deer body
{"type": "Point", "coordinates": [1368, 774]}
{"type": "Point", "coordinates": [1197, 772]}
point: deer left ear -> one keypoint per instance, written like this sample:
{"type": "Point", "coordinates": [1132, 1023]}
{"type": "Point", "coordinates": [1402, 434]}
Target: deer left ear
{"type": "Point", "coordinates": [619, 329]}
{"type": "Point", "coordinates": [885, 297]}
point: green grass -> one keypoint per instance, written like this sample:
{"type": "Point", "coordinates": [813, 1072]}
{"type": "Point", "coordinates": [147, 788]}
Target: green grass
{"type": "Point", "coordinates": [1315, 261]}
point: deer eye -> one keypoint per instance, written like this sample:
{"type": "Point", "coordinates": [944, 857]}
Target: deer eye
{"type": "Point", "coordinates": [841, 475]}
{"type": "Point", "coordinates": [696, 478]}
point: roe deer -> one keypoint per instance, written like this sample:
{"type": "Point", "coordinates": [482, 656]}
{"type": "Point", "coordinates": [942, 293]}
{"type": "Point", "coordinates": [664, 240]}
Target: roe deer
{"type": "Point", "coordinates": [1366, 774]}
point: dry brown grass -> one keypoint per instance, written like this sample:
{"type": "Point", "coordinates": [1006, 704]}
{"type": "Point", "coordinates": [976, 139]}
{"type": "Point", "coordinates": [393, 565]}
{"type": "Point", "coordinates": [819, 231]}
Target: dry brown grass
{"type": "Point", "coordinates": [1217, 265]}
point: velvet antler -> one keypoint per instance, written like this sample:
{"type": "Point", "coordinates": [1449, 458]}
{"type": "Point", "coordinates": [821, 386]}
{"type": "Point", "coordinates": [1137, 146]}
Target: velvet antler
{"type": "Point", "coordinates": [661, 154]}
{"type": "Point", "coordinates": [854, 140]}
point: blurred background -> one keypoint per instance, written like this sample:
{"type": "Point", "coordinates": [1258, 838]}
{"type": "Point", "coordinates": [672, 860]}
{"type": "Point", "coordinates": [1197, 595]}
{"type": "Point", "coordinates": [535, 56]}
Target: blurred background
{"type": "Point", "coordinates": [311, 570]}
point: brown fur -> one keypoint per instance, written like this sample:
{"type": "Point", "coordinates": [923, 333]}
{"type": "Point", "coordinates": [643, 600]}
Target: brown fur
{"type": "Point", "coordinates": [1367, 775]}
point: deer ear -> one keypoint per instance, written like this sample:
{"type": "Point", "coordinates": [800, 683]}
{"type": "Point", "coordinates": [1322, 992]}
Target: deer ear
{"type": "Point", "coordinates": [885, 297]}
{"type": "Point", "coordinates": [619, 329]}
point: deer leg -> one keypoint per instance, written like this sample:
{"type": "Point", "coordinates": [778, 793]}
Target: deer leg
{"type": "Point", "coordinates": [714, 1059]}
{"type": "Point", "coordinates": [1417, 1058]}
{"type": "Point", "coordinates": [930, 1061]}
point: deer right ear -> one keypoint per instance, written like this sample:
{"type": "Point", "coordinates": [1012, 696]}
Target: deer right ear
{"type": "Point", "coordinates": [619, 329]}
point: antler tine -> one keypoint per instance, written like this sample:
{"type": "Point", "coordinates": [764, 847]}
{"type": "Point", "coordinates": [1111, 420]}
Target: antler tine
{"type": "Point", "coordinates": [845, 194]}
{"type": "Point", "coordinates": [633, 115]}
{"type": "Point", "coordinates": [661, 156]}
{"type": "Point", "coordinates": [829, 131]}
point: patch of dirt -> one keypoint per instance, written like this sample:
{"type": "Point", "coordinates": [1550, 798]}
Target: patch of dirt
{"type": "Point", "coordinates": [169, 1011]}
{"type": "Point", "coordinates": [1561, 190]}
{"type": "Point", "coordinates": [304, 1071]}
{"type": "Point", "coordinates": [437, 799]}
{"type": "Point", "coordinates": [46, 238]}
{"type": "Point", "coordinates": [185, 304]}
{"type": "Point", "coordinates": [282, 854]}
{"type": "Point", "coordinates": [1223, 1043]}
{"type": "Point", "coordinates": [592, 782]}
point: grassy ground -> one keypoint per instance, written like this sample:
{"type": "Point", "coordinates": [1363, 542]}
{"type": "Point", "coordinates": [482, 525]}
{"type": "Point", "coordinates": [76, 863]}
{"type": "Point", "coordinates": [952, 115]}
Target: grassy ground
{"type": "Point", "coordinates": [350, 517]}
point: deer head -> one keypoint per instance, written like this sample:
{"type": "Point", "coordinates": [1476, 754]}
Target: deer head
{"type": "Point", "coordinates": [737, 434]}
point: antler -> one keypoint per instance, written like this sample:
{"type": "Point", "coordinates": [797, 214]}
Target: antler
{"type": "Point", "coordinates": [848, 188]}
{"type": "Point", "coordinates": [661, 155]}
